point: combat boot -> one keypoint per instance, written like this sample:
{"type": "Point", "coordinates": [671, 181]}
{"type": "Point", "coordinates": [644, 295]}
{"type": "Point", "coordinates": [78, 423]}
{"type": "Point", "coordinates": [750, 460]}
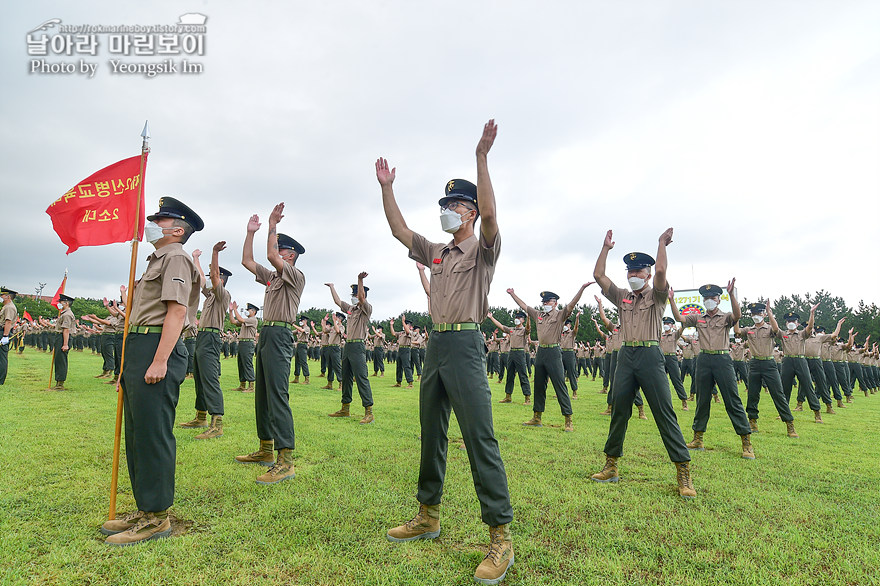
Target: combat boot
{"type": "Point", "coordinates": [642, 412]}
{"type": "Point", "coordinates": [753, 425]}
{"type": "Point", "coordinates": [201, 420]}
{"type": "Point", "coordinates": [104, 374]}
{"type": "Point", "coordinates": [150, 526]}
{"type": "Point", "coordinates": [568, 425]}
{"type": "Point", "coordinates": [697, 442]}
{"type": "Point", "coordinates": [265, 456]}
{"type": "Point", "coordinates": [306, 380]}
{"type": "Point", "coordinates": [684, 405]}
{"type": "Point", "coordinates": [829, 409]}
{"type": "Point", "coordinates": [817, 417]}
{"type": "Point", "coordinates": [499, 559]}
{"type": "Point", "coordinates": [840, 404]}
{"type": "Point", "coordinates": [250, 388]}
{"type": "Point", "coordinates": [425, 525]}
{"type": "Point", "coordinates": [609, 472]}
{"type": "Point", "coordinates": [368, 416]}
{"type": "Point", "coordinates": [799, 406]}
{"type": "Point", "coordinates": [281, 471]}
{"type": "Point", "coordinates": [683, 475]}
{"type": "Point", "coordinates": [295, 380]}
{"type": "Point", "coordinates": [329, 387]}
{"type": "Point", "coordinates": [214, 430]}
{"type": "Point", "coordinates": [717, 400]}
{"type": "Point", "coordinates": [59, 385]}
{"type": "Point", "coordinates": [574, 394]}
{"type": "Point", "coordinates": [691, 398]}
{"type": "Point", "coordinates": [342, 412]}
{"type": "Point", "coordinates": [748, 450]}
{"type": "Point", "coordinates": [240, 387]}
{"type": "Point", "coordinates": [528, 400]}
{"type": "Point", "coordinates": [113, 380]}
{"type": "Point", "coordinates": [124, 523]}
{"type": "Point", "coordinates": [535, 421]}
{"type": "Point", "coordinates": [849, 398]}
{"type": "Point", "coordinates": [790, 427]}
{"type": "Point", "coordinates": [606, 411]}
{"type": "Point", "coordinates": [508, 398]}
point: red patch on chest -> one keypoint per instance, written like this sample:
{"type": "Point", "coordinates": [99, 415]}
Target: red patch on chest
{"type": "Point", "coordinates": [627, 300]}
{"type": "Point", "coordinates": [701, 321]}
{"type": "Point", "coordinates": [437, 261]}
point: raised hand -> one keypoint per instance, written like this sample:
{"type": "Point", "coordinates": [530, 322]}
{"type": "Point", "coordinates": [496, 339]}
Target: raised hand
{"type": "Point", "coordinates": [666, 237]}
{"type": "Point", "coordinates": [220, 246]}
{"type": "Point", "coordinates": [277, 214]}
{"type": "Point", "coordinates": [609, 243]}
{"type": "Point", "coordinates": [510, 291]}
{"type": "Point", "coordinates": [671, 293]}
{"type": "Point", "coordinates": [813, 308]}
{"type": "Point", "coordinates": [730, 286]}
{"type": "Point", "coordinates": [233, 305]}
{"type": "Point", "coordinates": [362, 275]}
{"type": "Point", "coordinates": [253, 225]}
{"type": "Point", "coordinates": [328, 285]}
{"type": "Point", "coordinates": [490, 131]}
{"type": "Point", "coordinates": [196, 253]}
{"type": "Point", "coordinates": [385, 176]}
{"type": "Point", "coordinates": [420, 266]}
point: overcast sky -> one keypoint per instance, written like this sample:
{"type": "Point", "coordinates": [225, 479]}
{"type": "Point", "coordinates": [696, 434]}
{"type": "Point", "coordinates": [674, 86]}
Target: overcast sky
{"type": "Point", "coordinates": [753, 128]}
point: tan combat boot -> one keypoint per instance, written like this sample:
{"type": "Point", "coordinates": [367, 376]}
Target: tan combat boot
{"type": "Point", "coordinates": [748, 450]}
{"type": "Point", "coordinates": [104, 374]}
{"type": "Point", "coordinates": [201, 420]}
{"type": "Point", "coordinates": [368, 416]}
{"type": "Point", "coordinates": [123, 523]}
{"type": "Point", "coordinates": [691, 398]}
{"type": "Point", "coordinates": [684, 405]}
{"type": "Point", "coordinates": [344, 412]}
{"type": "Point", "coordinates": [265, 456]}
{"type": "Point", "coordinates": [295, 380]}
{"type": "Point", "coordinates": [214, 430]}
{"type": "Point", "coordinates": [306, 381]}
{"type": "Point", "coordinates": [642, 412]}
{"type": "Point", "coordinates": [528, 400]}
{"type": "Point", "coordinates": [329, 387]}
{"type": "Point", "coordinates": [535, 421]}
{"type": "Point", "coordinates": [840, 404]}
{"type": "Point", "coordinates": [568, 425]}
{"type": "Point", "coordinates": [717, 400]}
{"type": "Point", "coordinates": [150, 526]}
{"type": "Point", "coordinates": [250, 388]}
{"type": "Point", "coordinates": [499, 559]}
{"type": "Point", "coordinates": [240, 387]}
{"type": "Point", "coordinates": [685, 486]}
{"type": "Point", "coordinates": [508, 398]}
{"type": "Point", "coordinates": [817, 417]}
{"type": "Point", "coordinates": [753, 425]}
{"type": "Point", "coordinates": [799, 406]}
{"type": "Point", "coordinates": [849, 398]}
{"type": "Point", "coordinates": [425, 525]}
{"type": "Point", "coordinates": [59, 385]}
{"type": "Point", "coordinates": [281, 471]}
{"type": "Point", "coordinates": [790, 427]}
{"type": "Point", "coordinates": [609, 472]}
{"type": "Point", "coordinates": [697, 442]}
{"type": "Point", "coordinates": [113, 380]}
{"type": "Point", "coordinates": [829, 409]}
{"type": "Point", "coordinates": [606, 411]}
{"type": "Point", "coordinates": [574, 394]}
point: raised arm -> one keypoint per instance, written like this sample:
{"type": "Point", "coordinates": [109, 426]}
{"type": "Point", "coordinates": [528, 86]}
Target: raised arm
{"type": "Point", "coordinates": [247, 251]}
{"type": "Point", "coordinates": [424, 278]}
{"type": "Point", "coordinates": [810, 322]}
{"type": "Point", "coordinates": [216, 281]}
{"type": "Point", "coordinates": [605, 321]}
{"type": "Point", "coordinates": [599, 270]}
{"type": "Point", "coordinates": [836, 331]}
{"type": "Point", "coordinates": [362, 295]}
{"type": "Point", "coordinates": [577, 296]}
{"type": "Point", "coordinates": [520, 302]}
{"type": "Point", "coordinates": [577, 323]}
{"type": "Point", "coordinates": [272, 253]}
{"type": "Point", "coordinates": [673, 307]}
{"type": "Point", "coordinates": [398, 226]}
{"type": "Point", "coordinates": [196, 254]}
{"type": "Point", "coordinates": [498, 324]}
{"type": "Point", "coordinates": [661, 262]}
{"type": "Point", "coordinates": [734, 302]}
{"type": "Point", "coordinates": [774, 327]}
{"type": "Point", "coordinates": [335, 295]}
{"type": "Point", "coordinates": [236, 317]}
{"type": "Point", "coordinates": [391, 325]}
{"type": "Point", "coordinates": [485, 193]}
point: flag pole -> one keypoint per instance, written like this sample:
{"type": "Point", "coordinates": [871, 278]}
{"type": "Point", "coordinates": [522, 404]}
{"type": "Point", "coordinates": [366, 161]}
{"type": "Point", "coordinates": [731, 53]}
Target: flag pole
{"type": "Point", "coordinates": [114, 478]}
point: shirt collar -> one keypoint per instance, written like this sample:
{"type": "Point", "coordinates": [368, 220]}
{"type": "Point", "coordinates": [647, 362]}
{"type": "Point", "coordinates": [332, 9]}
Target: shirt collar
{"type": "Point", "coordinates": [466, 245]}
{"type": "Point", "coordinates": [160, 252]}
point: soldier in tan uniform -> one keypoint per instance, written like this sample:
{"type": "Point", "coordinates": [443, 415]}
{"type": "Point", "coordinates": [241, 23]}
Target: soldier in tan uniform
{"type": "Point", "coordinates": [155, 366]}
{"type": "Point", "coordinates": [669, 346]}
{"type": "Point", "coordinates": [794, 363]}
{"type": "Point", "coordinates": [404, 354]}
{"type": "Point", "coordinates": [378, 351]}
{"type": "Point", "coordinates": [284, 287]}
{"type": "Point", "coordinates": [455, 363]}
{"type": "Point", "coordinates": [247, 337]}
{"type": "Point", "coordinates": [567, 345]}
{"type": "Point", "coordinates": [519, 336]}
{"type": "Point", "coordinates": [813, 352]}
{"type": "Point", "coordinates": [65, 328]}
{"type": "Point", "coordinates": [335, 335]}
{"type": "Point", "coordinates": [301, 361]}
{"type": "Point", "coordinates": [8, 317]}
{"type": "Point", "coordinates": [640, 362]}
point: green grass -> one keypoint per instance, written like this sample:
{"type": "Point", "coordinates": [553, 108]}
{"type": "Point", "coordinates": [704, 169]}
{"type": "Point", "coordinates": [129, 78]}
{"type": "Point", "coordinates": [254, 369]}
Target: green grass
{"type": "Point", "coordinates": [804, 512]}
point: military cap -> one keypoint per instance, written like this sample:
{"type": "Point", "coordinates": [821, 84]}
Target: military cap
{"type": "Point", "coordinates": [408, 322]}
{"type": "Point", "coordinates": [224, 272]}
{"type": "Point", "coordinates": [803, 324]}
{"type": "Point", "coordinates": [638, 260]}
{"type": "Point", "coordinates": [68, 298]}
{"type": "Point", "coordinates": [710, 291]}
{"type": "Point", "coordinates": [668, 320]}
{"type": "Point", "coordinates": [252, 306]}
{"type": "Point", "coordinates": [354, 289]}
{"type": "Point", "coordinates": [820, 329]}
{"type": "Point", "coordinates": [757, 307]}
{"type": "Point", "coordinates": [548, 295]}
{"type": "Point", "coordinates": [5, 291]}
{"type": "Point", "coordinates": [285, 241]}
{"type": "Point", "coordinates": [520, 314]}
{"type": "Point", "coordinates": [340, 315]}
{"type": "Point", "coordinates": [791, 316]}
{"type": "Point", "coordinates": [303, 317]}
{"type": "Point", "coordinates": [843, 339]}
{"type": "Point", "coordinates": [460, 189]}
{"type": "Point", "coordinates": [173, 208]}
{"type": "Point", "coordinates": [568, 321]}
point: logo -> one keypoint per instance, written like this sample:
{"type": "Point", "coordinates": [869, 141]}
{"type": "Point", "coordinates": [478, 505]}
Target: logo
{"type": "Point", "coordinates": [632, 256]}
{"type": "Point", "coordinates": [691, 309]}
{"type": "Point", "coordinates": [450, 185]}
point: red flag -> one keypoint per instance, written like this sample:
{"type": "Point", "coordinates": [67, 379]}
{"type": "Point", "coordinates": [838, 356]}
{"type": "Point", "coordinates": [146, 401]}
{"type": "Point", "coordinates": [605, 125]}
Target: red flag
{"type": "Point", "coordinates": [27, 316]}
{"type": "Point", "coordinates": [101, 208]}
{"type": "Point", "coordinates": [57, 296]}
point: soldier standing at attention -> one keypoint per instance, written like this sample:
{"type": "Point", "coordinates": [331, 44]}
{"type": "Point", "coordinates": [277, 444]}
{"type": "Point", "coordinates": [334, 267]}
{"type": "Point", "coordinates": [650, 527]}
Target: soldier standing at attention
{"type": "Point", "coordinates": [246, 342]}
{"type": "Point", "coordinates": [714, 366]}
{"type": "Point", "coordinates": [8, 317]}
{"type": "Point", "coordinates": [155, 365]}
{"type": "Point", "coordinates": [669, 345]}
{"type": "Point", "coordinates": [354, 356]}
{"type": "Point", "coordinates": [519, 336]}
{"type": "Point", "coordinates": [65, 327]}
{"type": "Point", "coordinates": [455, 363]}
{"type": "Point", "coordinates": [640, 362]}
{"type": "Point", "coordinates": [303, 332]}
{"type": "Point", "coordinates": [378, 350]}
{"type": "Point", "coordinates": [206, 371]}
{"type": "Point", "coordinates": [284, 287]}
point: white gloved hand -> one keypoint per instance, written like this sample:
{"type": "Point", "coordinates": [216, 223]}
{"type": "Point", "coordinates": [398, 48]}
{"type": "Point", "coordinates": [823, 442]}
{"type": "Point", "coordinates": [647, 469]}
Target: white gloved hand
{"type": "Point", "coordinates": [4, 340]}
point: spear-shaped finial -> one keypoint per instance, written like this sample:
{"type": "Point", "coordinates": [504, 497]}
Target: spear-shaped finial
{"type": "Point", "coordinates": [146, 132]}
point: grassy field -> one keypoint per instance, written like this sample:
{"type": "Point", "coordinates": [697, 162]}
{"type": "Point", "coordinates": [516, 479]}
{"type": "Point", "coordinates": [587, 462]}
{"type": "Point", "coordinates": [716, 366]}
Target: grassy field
{"type": "Point", "coordinates": [804, 512]}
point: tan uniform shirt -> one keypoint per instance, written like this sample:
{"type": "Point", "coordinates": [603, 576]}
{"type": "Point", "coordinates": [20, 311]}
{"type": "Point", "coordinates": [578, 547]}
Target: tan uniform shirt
{"type": "Point", "coordinates": [215, 307]}
{"type": "Point", "coordinates": [379, 340]}
{"type": "Point", "coordinates": [738, 351]}
{"type": "Point", "coordinates": [336, 337]}
{"type": "Point", "coordinates": [760, 340]}
{"type": "Point", "coordinates": [813, 345]}
{"type": "Point", "coordinates": [518, 337]}
{"type": "Point", "coordinates": [792, 342]}
{"type": "Point", "coordinates": [567, 339]}
{"type": "Point", "coordinates": [549, 323]}
{"type": "Point", "coordinates": [492, 345]}
{"type": "Point", "coordinates": [460, 277]}
{"type": "Point", "coordinates": [9, 313]}
{"type": "Point", "coordinates": [283, 292]}
{"type": "Point", "coordinates": [417, 340]}
{"type": "Point", "coordinates": [505, 345]}
{"type": "Point", "coordinates": [641, 315]}
{"type": "Point", "coordinates": [616, 339]}
{"type": "Point", "coordinates": [358, 319]}
{"type": "Point", "coordinates": [248, 328]}
{"type": "Point", "coordinates": [669, 341]}
{"type": "Point", "coordinates": [714, 329]}
{"type": "Point", "coordinates": [170, 276]}
{"type": "Point", "coordinates": [404, 339]}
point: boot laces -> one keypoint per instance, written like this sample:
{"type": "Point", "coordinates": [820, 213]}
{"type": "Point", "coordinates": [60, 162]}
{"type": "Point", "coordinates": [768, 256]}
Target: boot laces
{"type": "Point", "coordinates": [684, 475]}
{"type": "Point", "coordinates": [496, 546]}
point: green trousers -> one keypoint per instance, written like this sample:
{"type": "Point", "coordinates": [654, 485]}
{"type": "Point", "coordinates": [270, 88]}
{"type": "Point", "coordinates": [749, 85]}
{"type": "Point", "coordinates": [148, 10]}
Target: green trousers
{"type": "Point", "coordinates": [548, 365]}
{"type": "Point", "coordinates": [795, 366]}
{"type": "Point", "coordinates": [302, 359]}
{"type": "Point", "coordinates": [206, 373]}
{"type": "Point", "coordinates": [60, 358]}
{"type": "Point", "coordinates": [354, 368]}
{"type": "Point", "coordinates": [516, 363]}
{"type": "Point", "coordinates": [717, 370]}
{"type": "Point", "coordinates": [569, 363]}
{"type": "Point", "coordinates": [108, 351]}
{"type": "Point", "coordinates": [150, 448]}
{"type": "Point", "coordinates": [404, 365]}
{"type": "Point", "coordinates": [4, 362]}
{"type": "Point", "coordinates": [272, 400]}
{"type": "Point", "coordinates": [246, 361]}
{"type": "Point", "coordinates": [454, 378]}
{"type": "Point", "coordinates": [763, 373]}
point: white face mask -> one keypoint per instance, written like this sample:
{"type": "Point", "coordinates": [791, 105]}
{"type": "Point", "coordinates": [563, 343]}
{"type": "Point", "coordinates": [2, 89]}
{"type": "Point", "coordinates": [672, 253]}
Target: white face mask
{"type": "Point", "coordinates": [517, 321]}
{"type": "Point", "coordinates": [758, 319]}
{"type": "Point", "coordinates": [737, 340]}
{"type": "Point", "coordinates": [666, 327]}
{"type": "Point", "coordinates": [354, 300]}
{"type": "Point", "coordinates": [636, 283]}
{"type": "Point", "coordinates": [566, 328]}
{"type": "Point", "coordinates": [791, 325]}
{"type": "Point", "coordinates": [450, 221]}
{"type": "Point", "coordinates": [153, 232]}
{"type": "Point", "coordinates": [547, 308]}
{"type": "Point", "coordinates": [710, 304]}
